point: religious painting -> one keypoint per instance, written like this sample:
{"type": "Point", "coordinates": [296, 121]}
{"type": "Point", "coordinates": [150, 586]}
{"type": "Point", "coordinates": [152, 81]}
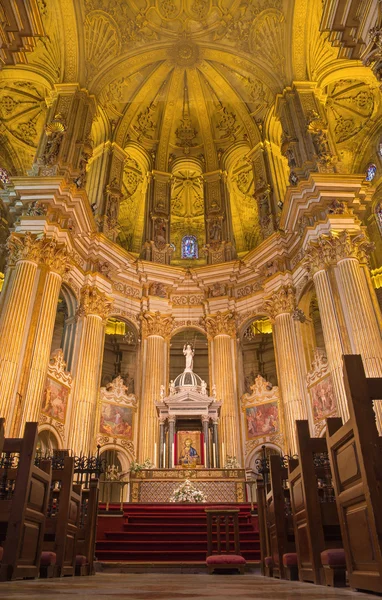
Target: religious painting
{"type": "Point", "coordinates": [262, 419]}
{"type": "Point", "coordinates": [55, 399]}
{"type": "Point", "coordinates": [189, 448]}
{"type": "Point", "coordinates": [116, 420]}
{"type": "Point", "coordinates": [323, 398]}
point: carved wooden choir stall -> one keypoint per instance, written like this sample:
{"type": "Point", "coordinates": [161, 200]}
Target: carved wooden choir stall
{"type": "Point", "coordinates": [47, 523]}
{"type": "Point", "coordinates": [331, 493]}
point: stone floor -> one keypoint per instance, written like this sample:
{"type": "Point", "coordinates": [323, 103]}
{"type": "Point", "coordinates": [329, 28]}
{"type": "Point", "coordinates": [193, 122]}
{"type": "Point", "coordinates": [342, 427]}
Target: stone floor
{"type": "Point", "coordinates": [172, 586]}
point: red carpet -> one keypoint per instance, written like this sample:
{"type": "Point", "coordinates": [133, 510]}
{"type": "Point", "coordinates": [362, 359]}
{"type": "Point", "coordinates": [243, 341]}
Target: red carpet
{"type": "Point", "coordinates": [165, 533]}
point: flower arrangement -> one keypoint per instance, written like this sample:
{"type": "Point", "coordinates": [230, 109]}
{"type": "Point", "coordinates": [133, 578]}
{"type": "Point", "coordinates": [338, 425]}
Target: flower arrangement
{"type": "Point", "coordinates": [187, 492]}
{"type": "Point", "coordinates": [135, 466]}
{"type": "Point", "coordinates": [231, 463]}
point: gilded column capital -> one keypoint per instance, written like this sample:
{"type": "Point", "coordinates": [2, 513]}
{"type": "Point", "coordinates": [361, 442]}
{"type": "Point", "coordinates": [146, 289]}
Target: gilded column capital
{"type": "Point", "coordinates": [221, 324]}
{"type": "Point", "coordinates": [156, 324]}
{"type": "Point", "coordinates": [282, 301]}
{"type": "Point", "coordinates": [94, 302]}
{"type": "Point", "coordinates": [39, 249]}
{"type": "Point", "coordinates": [329, 249]}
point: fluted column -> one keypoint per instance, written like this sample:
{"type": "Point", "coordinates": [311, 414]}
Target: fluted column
{"type": "Point", "coordinates": [344, 253]}
{"type": "Point", "coordinates": [221, 331]}
{"type": "Point", "coordinates": [156, 329]}
{"type": "Point", "coordinates": [279, 306]}
{"type": "Point", "coordinates": [24, 251]}
{"type": "Point", "coordinates": [93, 311]}
{"type": "Point", "coordinates": [317, 262]}
{"type": "Point", "coordinates": [205, 424]}
{"type": "Point", "coordinates": [54, 265]}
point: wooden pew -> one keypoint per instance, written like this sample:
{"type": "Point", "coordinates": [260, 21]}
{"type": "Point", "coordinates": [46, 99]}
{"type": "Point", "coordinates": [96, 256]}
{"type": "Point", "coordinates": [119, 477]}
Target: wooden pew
{"type": "Point", "coordinates": [266, 560]}
{"type": "Point", "coordinates": [355, 452]}
{"type": "Point", "coordinates": [280, 520]}
{"type": "Point", "coordinates": [62, 522]}
{"type": "Point", "coordinates": [315, 516]}
{"type": "Point", "coordinates": [24, 494]}
{"type": "Point", "coordinates": [86, 538]}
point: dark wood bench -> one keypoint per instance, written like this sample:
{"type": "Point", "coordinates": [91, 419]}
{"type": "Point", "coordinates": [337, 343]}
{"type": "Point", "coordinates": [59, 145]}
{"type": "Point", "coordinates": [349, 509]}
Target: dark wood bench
{"type": "Point", "coordinates": [355, 451]}
{"type": "Point", "coordinates": [62, 523]}
{"type": "Point", "coordinates": [280, 521]}
{"type": "Point", "coordinates": [315, 517]}
{"type": "Point", "coordinates": [86, 538]}
{"type": "Point", "coordinates": [24, 494]}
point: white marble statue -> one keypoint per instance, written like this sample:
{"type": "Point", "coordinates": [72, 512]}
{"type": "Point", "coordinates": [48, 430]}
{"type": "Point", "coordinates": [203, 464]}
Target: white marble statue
{"type": "Point", "coordinates": [189, 354]}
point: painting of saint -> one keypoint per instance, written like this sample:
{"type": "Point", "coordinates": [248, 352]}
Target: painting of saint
{"type": "Point", "coordinates": [55, 400]}
{"type": "Point", "coordinates": [189, 448]}
{"type": "Point", "coordinates": [323, 399]}
{"type": "Point", "coordinates": [262, 420]}
{"type": "Point", "coordinates": [116, 420]}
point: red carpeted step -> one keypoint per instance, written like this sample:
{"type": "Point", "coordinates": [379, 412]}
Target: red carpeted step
{"type": "Point", "coordinates": [170, 533]}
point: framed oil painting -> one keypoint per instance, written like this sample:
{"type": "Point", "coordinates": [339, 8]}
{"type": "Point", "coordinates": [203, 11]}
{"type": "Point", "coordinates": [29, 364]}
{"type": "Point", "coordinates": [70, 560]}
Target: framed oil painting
{"type": "Point", "coordinates": [55, 399]}
{"type": "Point", "coordinates": [262, 419]}
{"type": "Point", "coordinates": [116, 420]}
{"type": "Point", "coordinates": [323, 398]}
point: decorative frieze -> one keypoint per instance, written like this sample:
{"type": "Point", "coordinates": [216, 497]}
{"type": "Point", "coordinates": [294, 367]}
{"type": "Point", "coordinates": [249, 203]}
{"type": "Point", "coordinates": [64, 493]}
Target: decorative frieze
{"type": "Point", "coordinates": [187, 300]}
{"type": "Point", "coordinates": [156, 324]}
{"type": "Point", "coordinates": [280, 302]}
{"type": "Point", "coordinates": [94, 302]}
{"type": "Point", "coordinates": [221, 324]}
{"type": "Point", "coordinates": [126, 290]}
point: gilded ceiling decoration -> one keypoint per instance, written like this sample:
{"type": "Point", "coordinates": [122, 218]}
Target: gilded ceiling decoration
{"type": "Point", "coordinates": [22, 114]}
{"type": "Point", "coordinates": [350, 105]}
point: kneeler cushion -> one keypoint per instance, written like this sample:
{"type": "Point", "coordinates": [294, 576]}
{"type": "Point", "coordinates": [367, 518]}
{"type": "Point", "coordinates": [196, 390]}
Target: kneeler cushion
{"type": "Point", "coordinates": [1, 552]}
{"type": "Point", "coordinates": [290, 559]}
{"type": "Point", "coordinates": [268, 560]}
{"type": "Point", "coordinates": [225, 559]}
{"type": "Point", "coordinates": [334, 557]}
{"type": "Point", "coordinates": [81, 560]}
{"type": "Point", "coordinates": [48, 559]}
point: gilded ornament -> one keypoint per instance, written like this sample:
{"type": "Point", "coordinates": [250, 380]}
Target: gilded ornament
{"type": "Point", "coordinates": [221, 324]}
{"type": "Point", "coordinates": [328, 250]}
{"type": "Point", "coordinates": [282, 301]}
{"type": "Point", "coordinates": [38, 249]}
{"type": "Point", "coordinates": [156, 324]}
{"type": "Point", "coordinates": [94, 302]}
{"type": "Point", "coordinates": [184, 53]}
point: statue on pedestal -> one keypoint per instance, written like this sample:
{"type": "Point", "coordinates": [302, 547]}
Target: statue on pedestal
{"type": "Point", "coordinates": [189, 354]}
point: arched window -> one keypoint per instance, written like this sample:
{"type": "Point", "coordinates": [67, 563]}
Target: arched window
{"type": "Point", "coordinates": [189, 247]}
{"type": "Point", "coordinates": [4, 175]}
{"type": "Point", "coordinates": [371, 172]}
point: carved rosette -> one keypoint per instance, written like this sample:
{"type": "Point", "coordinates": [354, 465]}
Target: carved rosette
{"type": "Point", "coordinates": [94, 302]}
{"type": "Point", "coordinates": [282, 301]}
{"type": "Point", "coordinates": [329, 249]}
{"type": "Point", "coordinates": [221, 324]}
{"type": "Point", "coordinates": [156, 324]}
{"type": "Point", "coordinates": [38, 249]}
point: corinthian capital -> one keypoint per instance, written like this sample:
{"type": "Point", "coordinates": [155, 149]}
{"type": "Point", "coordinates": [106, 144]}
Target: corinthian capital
{"type": "Point", "coordinates": [330, 249]}
{"type": "Point", "coordinates": [156, 324]}
{"type": "Point", "coordinates": [221, 324]}
{"type": "Point", "coordinates": [280, 302]}
{"type": "Point", "coordinates": [38, 249]}
{"type": "Point", "coordinates": [94, 302]}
